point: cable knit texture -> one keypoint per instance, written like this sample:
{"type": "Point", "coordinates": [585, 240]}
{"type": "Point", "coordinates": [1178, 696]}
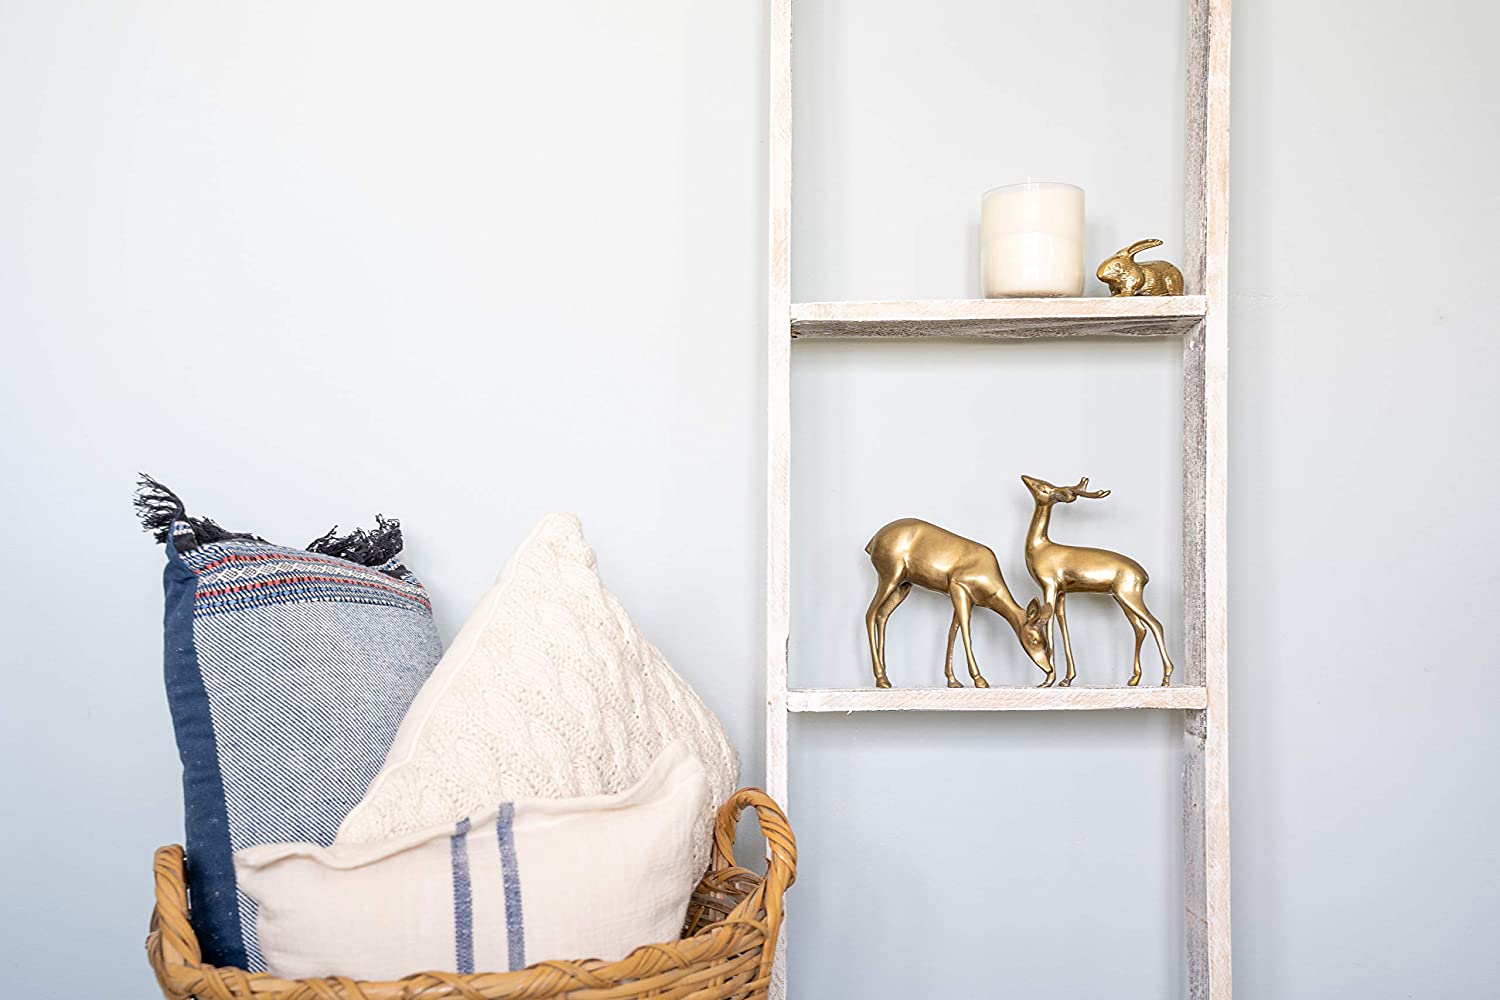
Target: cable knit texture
{"type": "Point", "coordinates": [549, 691]}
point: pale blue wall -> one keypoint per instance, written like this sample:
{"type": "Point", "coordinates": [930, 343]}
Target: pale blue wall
{"type": "Point", "coordinates": [464, 263]}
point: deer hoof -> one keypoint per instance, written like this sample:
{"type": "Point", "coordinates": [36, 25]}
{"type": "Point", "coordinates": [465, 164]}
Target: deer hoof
{"type": "Point", "coordinates": [1166, 682]}
{"type": "Point", "coordinates": [1135, 681]}
{"type": "Point", "coordinates": [980, 682]}
{"type": "Point", "coordinates": [1048, 682]}
{"type": "Point", "coordinates": [953, 683]}
{"type": "Point", "coordinates": [881, 682]}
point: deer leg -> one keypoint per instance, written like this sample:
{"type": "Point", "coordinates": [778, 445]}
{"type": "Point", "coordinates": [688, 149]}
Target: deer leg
{"type": "Point", "coordinates": [1062, 625]}
{"type": "Point", "coordinates": [1137, 603]}
{"type": "Point", "coordinates": [882, 594]}
{"type": "Point", "coordinates": [962, 605]}
{"type": "Point", "coordinates": [891, 604]}
{"type": "Point", "coordinates": [953, 682]}
{"type": "Point", "coordinates": [1050, 597]}
{"type": "Point", "coordinates": [1140, 636]}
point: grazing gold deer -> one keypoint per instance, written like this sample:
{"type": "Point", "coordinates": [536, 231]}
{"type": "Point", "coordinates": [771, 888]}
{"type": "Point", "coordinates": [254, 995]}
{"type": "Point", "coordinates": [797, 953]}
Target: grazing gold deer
{"type": "Point", "coordinates": [1061, 570]}
{"type": "Point", "coordinates": [910, 552]}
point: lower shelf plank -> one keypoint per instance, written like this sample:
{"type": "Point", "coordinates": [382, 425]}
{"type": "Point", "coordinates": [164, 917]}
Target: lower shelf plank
{"type": "Point", "coordinates": [1126, 316]}
{"type": "Point", "coordinates": [995, 699]}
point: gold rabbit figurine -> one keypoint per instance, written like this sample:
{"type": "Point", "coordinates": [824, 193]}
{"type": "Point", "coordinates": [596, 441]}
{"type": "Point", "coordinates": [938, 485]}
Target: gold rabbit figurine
{"type": "Point", "coordinates": [1061, 570]}
{"type": "Point", "coordinates": [1127, 276]}
{"type": "Point", "coordinates": [910, 552]}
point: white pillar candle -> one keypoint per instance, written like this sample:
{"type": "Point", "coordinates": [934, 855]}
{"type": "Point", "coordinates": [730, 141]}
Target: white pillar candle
{"type": "Point", "coordinates": [1031, 240]}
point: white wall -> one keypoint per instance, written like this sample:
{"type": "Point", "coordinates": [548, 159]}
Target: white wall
{"type": "Point", "coordinates": [464, 263]}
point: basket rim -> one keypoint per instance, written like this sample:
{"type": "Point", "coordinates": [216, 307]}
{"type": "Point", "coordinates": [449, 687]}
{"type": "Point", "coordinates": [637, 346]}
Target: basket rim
{"type": "Point", "coordinates": [751, 927]}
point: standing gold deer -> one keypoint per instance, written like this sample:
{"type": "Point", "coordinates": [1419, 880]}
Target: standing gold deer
{"type": "Point", "coordinates": [1061, 570]}
{"type": "Point", "coordinates": [911, 552]}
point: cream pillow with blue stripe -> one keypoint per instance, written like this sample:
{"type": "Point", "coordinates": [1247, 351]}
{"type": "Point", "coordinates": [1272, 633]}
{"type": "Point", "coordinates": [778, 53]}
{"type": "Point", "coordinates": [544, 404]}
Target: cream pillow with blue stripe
{"type": "Point", "coordinates": [527, 881]}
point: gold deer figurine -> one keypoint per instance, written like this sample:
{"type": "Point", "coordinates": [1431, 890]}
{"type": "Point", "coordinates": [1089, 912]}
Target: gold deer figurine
{"type": "Point", "coordinates": [1061, 570]}
{"type": "Point", "coordinates": [911, 552]}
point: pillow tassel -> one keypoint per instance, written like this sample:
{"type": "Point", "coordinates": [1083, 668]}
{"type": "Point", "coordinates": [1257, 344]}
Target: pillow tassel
{"type": "Point", "coordinates": [368, 548]}
{"type": "Point", "coordinates": [159, 508]}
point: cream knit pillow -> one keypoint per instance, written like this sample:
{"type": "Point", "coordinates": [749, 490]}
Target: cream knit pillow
{"type": "Point", "coordinates": [549, 691]}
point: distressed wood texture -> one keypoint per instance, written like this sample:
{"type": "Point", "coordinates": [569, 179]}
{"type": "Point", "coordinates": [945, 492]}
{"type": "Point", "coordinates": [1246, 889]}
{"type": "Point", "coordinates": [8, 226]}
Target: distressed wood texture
{"type": "Point", "coordinates": [778, 423]}
{"type": "Point", "coordinates": [1205, 797]}
{"type": "Point", "coordinates": [1129, 316]}
{"type": "Point", "coordinates": [995, 699]}
{"type": "Point", "coordinates": [778, 402]}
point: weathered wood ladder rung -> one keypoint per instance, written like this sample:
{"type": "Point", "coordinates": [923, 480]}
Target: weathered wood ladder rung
{"type": "Point", "coordinates": [1201, 319]}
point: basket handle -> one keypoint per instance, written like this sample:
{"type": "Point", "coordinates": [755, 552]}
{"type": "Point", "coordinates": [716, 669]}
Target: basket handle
{"type": "Point", "coordinates": [171, 941]}
{"type": "Point", "coordinates": [781, 868]}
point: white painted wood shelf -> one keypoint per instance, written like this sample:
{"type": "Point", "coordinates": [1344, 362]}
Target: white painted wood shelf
{"type": "Point", "coordinates": [994, 699]}
{"type": "Point", "coordinates": [1200, 319]}
{"type": "Point", "coordinates": [1013, 319]}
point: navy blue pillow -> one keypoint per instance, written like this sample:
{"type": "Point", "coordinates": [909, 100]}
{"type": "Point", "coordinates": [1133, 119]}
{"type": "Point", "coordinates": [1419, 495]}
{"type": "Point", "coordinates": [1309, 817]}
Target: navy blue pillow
{"type": "Point", "coordinates": [288, 672]}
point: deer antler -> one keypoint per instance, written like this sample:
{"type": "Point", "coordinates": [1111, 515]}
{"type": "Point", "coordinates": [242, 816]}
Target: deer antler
{"type": "Point", "coordinates": [1079, 490]}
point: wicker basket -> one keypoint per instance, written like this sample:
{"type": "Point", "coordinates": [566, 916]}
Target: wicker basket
{"type": "Point", "coordinates": [725, 953]}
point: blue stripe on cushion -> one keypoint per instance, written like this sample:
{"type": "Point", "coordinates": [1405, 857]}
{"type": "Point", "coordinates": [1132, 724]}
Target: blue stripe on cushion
{"type": "Point", "coordinates": [463, 900]}
{"type": "Point", "coordinates": [216, 917]}
{"type": "Point", "coordinates": [510, 873]}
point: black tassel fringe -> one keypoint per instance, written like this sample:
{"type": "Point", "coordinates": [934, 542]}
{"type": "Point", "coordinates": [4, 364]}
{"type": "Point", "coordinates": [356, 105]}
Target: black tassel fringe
{"type": "Point", "coordinates": [368, 548]}
{"type": "Point", "coordinates": [159, 508]}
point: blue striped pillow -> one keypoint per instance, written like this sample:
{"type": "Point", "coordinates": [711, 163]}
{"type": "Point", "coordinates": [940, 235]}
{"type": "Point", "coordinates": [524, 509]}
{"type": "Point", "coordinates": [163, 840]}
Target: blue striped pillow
{"type": "Point", "coordinates": [288, 672]}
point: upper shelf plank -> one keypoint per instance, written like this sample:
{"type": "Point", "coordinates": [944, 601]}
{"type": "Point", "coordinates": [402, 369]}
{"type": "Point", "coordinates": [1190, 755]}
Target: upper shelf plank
{"type": "Point", "coordinates": [1137, 316]}
{"type": "Point", "coordinates": [995, 699]}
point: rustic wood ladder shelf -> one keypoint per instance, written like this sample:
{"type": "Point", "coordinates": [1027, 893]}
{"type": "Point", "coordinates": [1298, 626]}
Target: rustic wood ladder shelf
{"type": "Point", "coordinates": [995, 699]}
{"type": "Point", "coordinates": [1016, 319]}
{"type": "Point", "coordinates": [1201, 320]}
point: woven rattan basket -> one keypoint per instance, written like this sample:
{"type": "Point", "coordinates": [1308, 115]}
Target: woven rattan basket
{"type": "Point", "coordinates": [725, 953]}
